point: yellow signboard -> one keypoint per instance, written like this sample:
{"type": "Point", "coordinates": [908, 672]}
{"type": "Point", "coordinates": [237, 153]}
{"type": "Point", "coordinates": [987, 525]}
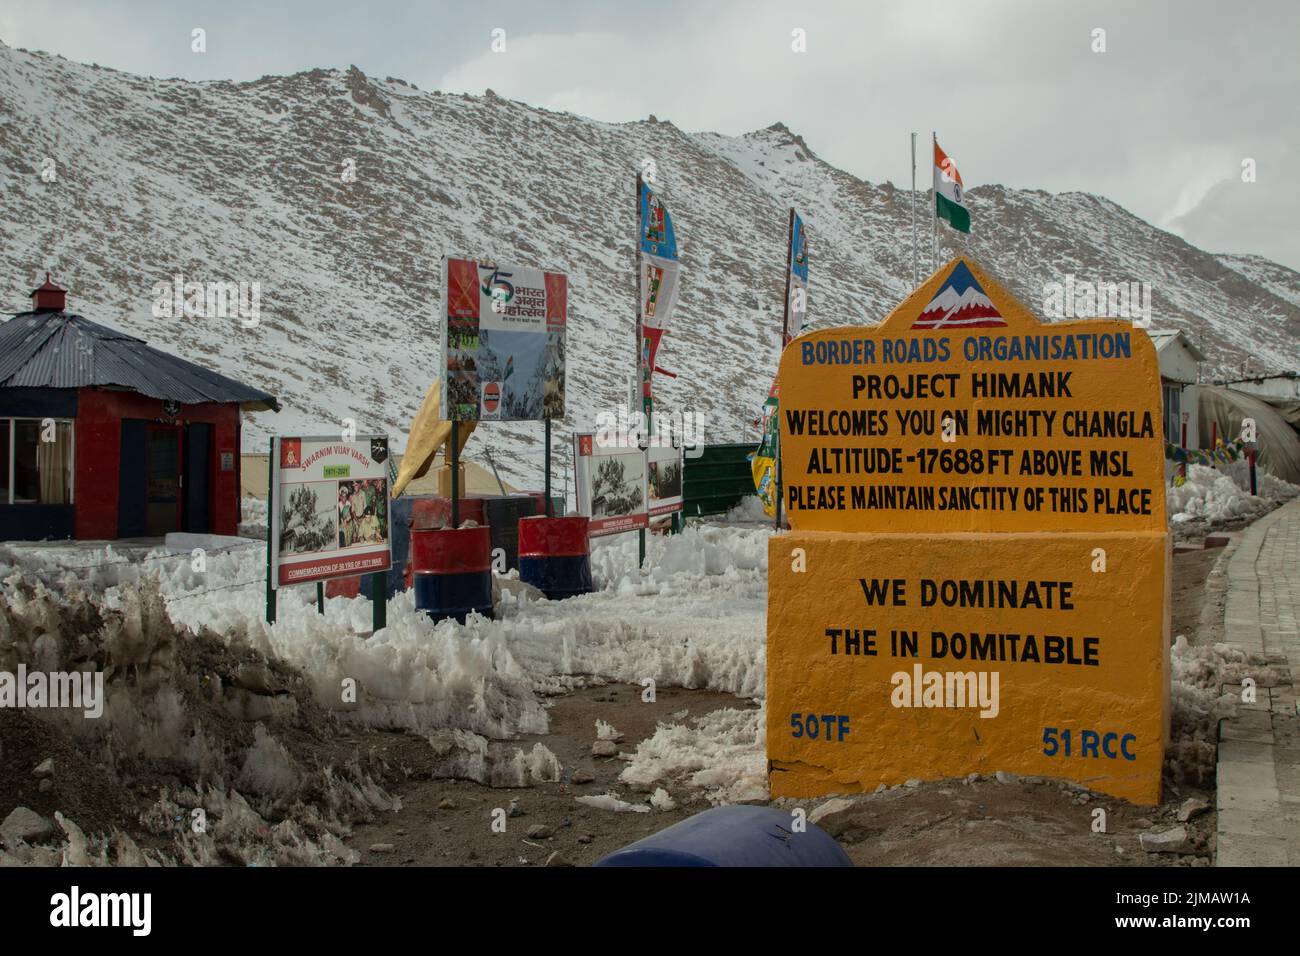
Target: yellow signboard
{"type": "Point", "coordinates": [977, 576]}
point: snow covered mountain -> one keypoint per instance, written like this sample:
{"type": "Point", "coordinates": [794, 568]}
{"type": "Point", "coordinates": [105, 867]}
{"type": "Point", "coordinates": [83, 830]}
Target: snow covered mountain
{"type": "Point", "coordinates": [246, 182]}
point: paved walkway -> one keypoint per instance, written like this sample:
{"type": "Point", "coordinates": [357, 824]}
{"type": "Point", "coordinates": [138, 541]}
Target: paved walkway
{"type": "Point", "coordinates": [1259, 750]}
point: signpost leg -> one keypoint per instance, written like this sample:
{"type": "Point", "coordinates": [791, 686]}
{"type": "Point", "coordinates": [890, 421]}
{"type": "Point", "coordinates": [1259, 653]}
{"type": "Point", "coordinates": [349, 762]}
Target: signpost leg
{"type": "Point", "coordinates": [777, 480]}
{"type": "Point", "coordinates": [270, 505]}
{"type": "Point", "coordinates": [379, 600]}
{"type": "Point", "coordinates": [548, 468]}
{"type": "Point", "coordinates": [455, 474]}
{"type": "Point", "coordinates": [320, 597]}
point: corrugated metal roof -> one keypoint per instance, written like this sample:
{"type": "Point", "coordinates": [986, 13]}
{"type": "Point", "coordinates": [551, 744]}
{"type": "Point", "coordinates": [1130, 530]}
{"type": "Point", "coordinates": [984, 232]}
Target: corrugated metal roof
{"type": "Point", "coordinates": [63, 350]}
{"type": "Point", "coordinates": [1162, 337]}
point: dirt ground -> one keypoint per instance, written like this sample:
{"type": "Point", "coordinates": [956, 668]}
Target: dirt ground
{"type": "Point", "coordinates": [1030, 821]}
{"type": "Point", "coordinates": [1191, 595]}
{"type": "Point", "coordinates": [449, 822]}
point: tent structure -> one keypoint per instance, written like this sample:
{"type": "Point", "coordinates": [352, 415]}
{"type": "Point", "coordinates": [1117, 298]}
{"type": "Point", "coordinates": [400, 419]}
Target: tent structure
{"type": "Point", "coordinates": [1224, 409]}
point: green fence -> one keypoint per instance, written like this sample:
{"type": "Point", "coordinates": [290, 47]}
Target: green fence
{"type": "Point", "coordinates": [715, 482]}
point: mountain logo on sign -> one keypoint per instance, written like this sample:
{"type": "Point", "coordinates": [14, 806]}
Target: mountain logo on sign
{"type": "Point", "coordinates": [959, 303]}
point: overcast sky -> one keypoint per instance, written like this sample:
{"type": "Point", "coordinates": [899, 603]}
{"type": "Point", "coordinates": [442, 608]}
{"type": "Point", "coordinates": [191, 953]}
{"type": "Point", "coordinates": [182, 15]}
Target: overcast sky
{"type": "Point", "coordinates": [1160, 122]}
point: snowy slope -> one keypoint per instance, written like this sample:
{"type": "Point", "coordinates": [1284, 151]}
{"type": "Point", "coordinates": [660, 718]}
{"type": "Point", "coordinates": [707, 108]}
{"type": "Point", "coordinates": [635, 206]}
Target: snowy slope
{"type": "Point", "coordinates": [225, 181]}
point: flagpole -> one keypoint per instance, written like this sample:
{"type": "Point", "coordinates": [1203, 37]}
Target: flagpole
{"type": "Point", "coordinates": [934, 204]}
{"type": "Point", "coordinates": [641, 404]}
{"type": "Point", "coordinates": [789, 261]}
{"type": "Point", "coordinates": [913, 205]}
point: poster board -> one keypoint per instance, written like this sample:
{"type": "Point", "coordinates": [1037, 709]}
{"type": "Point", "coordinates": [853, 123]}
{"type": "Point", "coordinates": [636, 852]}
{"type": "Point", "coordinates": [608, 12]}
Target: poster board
{"type": "Point", "coordinates": [330, 514]}
{"type": "Point", "coordinates": [612, 485]}
{"type": "Point", "coordinates": [503, 342]}
{"type": "Point", "coordinates": [665, 469]}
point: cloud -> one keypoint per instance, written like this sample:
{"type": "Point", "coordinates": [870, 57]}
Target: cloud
{"type": "Point", "coordinates": [1245, 217]}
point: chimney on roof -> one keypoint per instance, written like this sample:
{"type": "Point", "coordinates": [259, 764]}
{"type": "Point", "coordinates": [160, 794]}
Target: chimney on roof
{"type": "Point", "coordinates": [49, 297]}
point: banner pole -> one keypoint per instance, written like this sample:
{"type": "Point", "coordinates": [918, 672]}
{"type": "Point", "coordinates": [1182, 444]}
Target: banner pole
{"type": "Point", "coordinates": [548, 468]}
{"type": "Point", "coordinates": [455, 473]}
{"type": "Point", "coordinates": [379, 598]}
{"type": "Point", "coordinates": [270, 504]}
{"type": "Point", "coordinates": [913, 205]}
{"type": "Point", "coordinates": [320, 597]}
{"type": "Point", "coordinates": [789, 261]}
{"type": "Point", "coordinates": [641, 391]}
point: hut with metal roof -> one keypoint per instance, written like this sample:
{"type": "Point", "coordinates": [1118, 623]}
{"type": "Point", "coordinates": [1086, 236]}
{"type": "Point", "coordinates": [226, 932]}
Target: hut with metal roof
{"type": "Point", "coordinates": [103, 436]}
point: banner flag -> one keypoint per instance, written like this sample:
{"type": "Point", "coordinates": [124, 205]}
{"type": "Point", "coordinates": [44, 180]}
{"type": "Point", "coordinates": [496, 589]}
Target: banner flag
{"type": "Point", "coordinates": [763, 461]}
{"type": "Point", "coordinates": [658, 282]}
{"type": "Point", "coordinates": [949, 192]}
{"type": "Point", "coordinates": [796, 302]}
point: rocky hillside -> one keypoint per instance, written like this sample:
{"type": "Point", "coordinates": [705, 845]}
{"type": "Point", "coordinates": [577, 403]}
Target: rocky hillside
{"type": "Point", "coordinates": [234, 182]}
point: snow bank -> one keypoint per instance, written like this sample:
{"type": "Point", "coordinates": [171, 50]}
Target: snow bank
{"type": "Point", "coordinates": [253, 523]}
{"type": "Point", "coordinates": [1200, 701]}
{"type": "Point", "coordinates": [749, 509]}
{"type": "Point", "coordinates": [1213, 498]}
{"type": "Point", "coordinates": [694, 617]}
{"type": "Point", "coordinates": [174, 738]}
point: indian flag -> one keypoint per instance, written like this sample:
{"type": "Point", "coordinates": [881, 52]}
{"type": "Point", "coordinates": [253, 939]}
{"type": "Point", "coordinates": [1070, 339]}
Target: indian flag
{"type": "Point", "coordinates": [949, 196]}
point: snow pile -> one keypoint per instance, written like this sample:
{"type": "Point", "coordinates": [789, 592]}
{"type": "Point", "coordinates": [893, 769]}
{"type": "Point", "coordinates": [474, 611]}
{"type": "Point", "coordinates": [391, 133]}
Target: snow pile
{"type": "Point", "coordinates": [694, 617]}
{"type": "Point", "coordinates": [1202, 694]}
{"type": "Point", "coordinates": [174, 737]}
{"type": "Point", "coordinates": [410, 676]}
{"type": "Point", "coordinates": [467, 756]}
{"type": "Point", "coordinates": [1211, 498]}
{"type": "Point", "coordinates": [748, 509]}
{"type": "Point", "coordinates": [253, 523]}
{"type": "Point", "coordinates": [722, 753]}
{"type": "Point", "coordinates": [610, 801]}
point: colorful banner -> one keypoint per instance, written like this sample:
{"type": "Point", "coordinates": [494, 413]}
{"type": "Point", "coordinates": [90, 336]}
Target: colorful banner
{"type": "Point", "coordinates": [763, 461]}
{"type": "Point", "coordinates": [1220, 455]}
{"type": "Point", "coordinates": [329, 516]}
{"type": "Point", "coordinates": [503, 342]}
{"type": "Point", "coordinates": [657, 284]}
{"type": "Point", "coordinates": [611, 483]}
{"type": "Point", "coordinates": [796, 308]}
